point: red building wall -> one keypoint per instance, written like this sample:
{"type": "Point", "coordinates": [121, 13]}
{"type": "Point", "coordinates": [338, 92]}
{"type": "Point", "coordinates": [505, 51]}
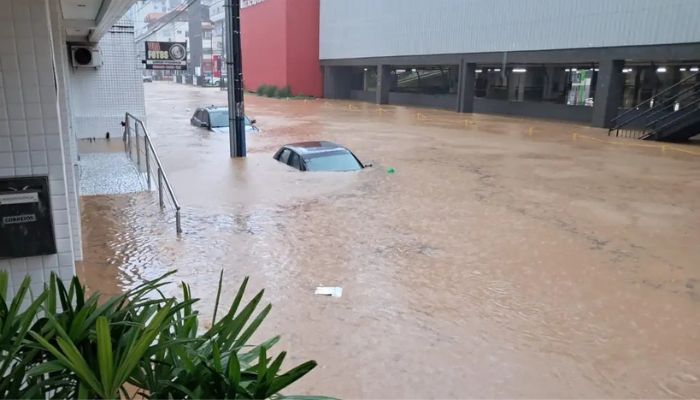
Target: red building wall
{"type": "Point", "coordinates": [279, 40]}
{"type": "Point", "coordinates": [264, 44]}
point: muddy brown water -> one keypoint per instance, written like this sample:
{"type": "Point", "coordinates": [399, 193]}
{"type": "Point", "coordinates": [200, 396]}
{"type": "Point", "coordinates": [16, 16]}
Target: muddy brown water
{"type": "Point", "coordinates": [497, 261]}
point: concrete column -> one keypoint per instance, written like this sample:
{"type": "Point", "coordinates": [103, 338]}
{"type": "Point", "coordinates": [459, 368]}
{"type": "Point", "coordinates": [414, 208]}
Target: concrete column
{"type": "Point", "coordinates": [465, 87]}
{"type": "Point", "coordinates": [550, 78]}
{"type": "Point", "coordinates": [384, 83]}
{"type": "Point", "coordinates": [337, 82]}
{"type": "Point", "coordinates": [608, 93]}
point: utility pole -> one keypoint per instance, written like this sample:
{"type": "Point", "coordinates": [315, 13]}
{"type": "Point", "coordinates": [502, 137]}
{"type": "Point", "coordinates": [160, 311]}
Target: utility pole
{"type": "Point", "coordinates": [194, 28]}
{"type": "Point", "coordinates": [234, 72]}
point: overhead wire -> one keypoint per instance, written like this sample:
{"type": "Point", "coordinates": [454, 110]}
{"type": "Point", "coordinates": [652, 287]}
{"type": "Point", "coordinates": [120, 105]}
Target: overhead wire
{"type": "Point", "coordinates": [163, 24]}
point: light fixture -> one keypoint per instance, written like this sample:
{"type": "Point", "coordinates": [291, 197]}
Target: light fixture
{"type": "Point", "coordinates": [519, 70]}
{"type": "Point", "coordinates": [497, 70]}
{"type": "Point", "coordinates": [488, 70]}
{"type": "Point", "coordinates": [568, 70]}
{"type": "Point", "coordinates": [682, 69]}
{"type": "Point", "coordinates": [366, 69]}
{"type": "Point", "coordinates": [626, 70]}
{"type": "Point", "coordinates": [661, 70]}
{"type": "Point", "coordinates": [413, 70]}
{"type": "Point", "coordinates": [478, 71]}
{"type": "Point", "coordinates": [574, 69]}
{"type": "Point", "coordinates": [694, 69]}
{"type": "Point", "coordinates": [596, 69]}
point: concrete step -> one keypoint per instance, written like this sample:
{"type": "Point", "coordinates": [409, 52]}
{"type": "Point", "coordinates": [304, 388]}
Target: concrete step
{"type": "Point", "coordinates": [109, 173]}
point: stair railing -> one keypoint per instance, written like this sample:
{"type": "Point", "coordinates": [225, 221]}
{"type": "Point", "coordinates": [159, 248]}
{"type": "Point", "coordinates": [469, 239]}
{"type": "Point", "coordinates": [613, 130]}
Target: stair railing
{"type": "Point", "coordinates": [162, 182]}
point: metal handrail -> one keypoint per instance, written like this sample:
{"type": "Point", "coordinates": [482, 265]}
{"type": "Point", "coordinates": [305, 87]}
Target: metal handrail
{"type": "Point", "coordinates": [671, 101]}
{"type": "Point", "coordinates": [674, 117]}
{"type": "Point", "coordinates": [650, 99]}
{"type": "Point", "coordinates": [659, 107]}
{"type": "Point", "coordinates": [161, 177]}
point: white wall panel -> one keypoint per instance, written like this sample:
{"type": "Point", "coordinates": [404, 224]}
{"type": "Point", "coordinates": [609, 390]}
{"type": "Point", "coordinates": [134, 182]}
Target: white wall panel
{"type": "Point", "coordinates": [101, 96]}
{"type": "Point", "coordinates": [375, 28]}
{"type": "Point", "coordinates": [31, 136]}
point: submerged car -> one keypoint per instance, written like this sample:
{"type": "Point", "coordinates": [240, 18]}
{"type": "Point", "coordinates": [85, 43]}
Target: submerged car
{"type": "Point", "coordinates": [319, 156]}
{"type": "Point", "coordinates": [216, 119]}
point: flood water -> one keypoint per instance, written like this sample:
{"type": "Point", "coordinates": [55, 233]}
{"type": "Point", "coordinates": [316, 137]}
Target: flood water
{"type": "Point", "coordinates": [505, 257]}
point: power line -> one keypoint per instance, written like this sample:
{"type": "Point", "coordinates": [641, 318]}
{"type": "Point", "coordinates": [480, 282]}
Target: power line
{"type": "Point", "coordinates": [162, 25]}
{"type": "Point", "coordinates": [145, 3]}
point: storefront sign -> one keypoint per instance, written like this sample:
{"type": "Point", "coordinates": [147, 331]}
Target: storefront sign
{"type": "Point", "coordinates": [166, 55]}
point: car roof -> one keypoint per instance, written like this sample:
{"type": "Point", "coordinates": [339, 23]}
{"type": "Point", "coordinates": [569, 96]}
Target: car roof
{"type": "Point", "coordinates": [215, 108]}
{"type": "Point", "coordinates": [314, 147]}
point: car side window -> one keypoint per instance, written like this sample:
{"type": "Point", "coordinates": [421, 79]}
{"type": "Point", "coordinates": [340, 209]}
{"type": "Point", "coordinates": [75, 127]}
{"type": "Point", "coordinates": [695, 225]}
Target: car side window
{"type": "Point", "coordinates": [295, 161]}
{"type": "Point", "coordinates": [284, 157]}
{"type": "Point", "coordinates": [205, 117]}
{"type": "Point", "coordinates": [197, 114]}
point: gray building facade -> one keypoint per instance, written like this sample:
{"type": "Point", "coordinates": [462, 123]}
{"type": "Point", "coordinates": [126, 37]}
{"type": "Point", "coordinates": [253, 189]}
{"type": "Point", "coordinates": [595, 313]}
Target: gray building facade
{"type": "Point", "coordinates": [561, 59]}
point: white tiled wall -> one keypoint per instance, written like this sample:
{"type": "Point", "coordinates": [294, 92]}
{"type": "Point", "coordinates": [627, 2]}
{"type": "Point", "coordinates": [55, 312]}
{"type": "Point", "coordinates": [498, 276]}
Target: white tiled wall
{"type": "Point", "coordinates": [62, 66]}
{"type": "Point", "coordinates": [32, 138]}
{"type": "Point", "coordinates": [101, 96]}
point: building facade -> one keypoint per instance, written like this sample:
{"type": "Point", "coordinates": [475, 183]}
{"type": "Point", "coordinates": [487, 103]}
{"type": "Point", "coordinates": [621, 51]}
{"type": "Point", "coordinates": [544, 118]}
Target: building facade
{"type": "Point", "coordinates": [279, 40]}
{"type": "Point", "coordinates": [561, 59]}
{"type": "Point", "coordinates": [43, 110]}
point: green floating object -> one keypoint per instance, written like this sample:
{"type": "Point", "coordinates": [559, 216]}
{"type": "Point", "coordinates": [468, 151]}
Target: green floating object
{"type": "Point", "coordinates": [390, 170]}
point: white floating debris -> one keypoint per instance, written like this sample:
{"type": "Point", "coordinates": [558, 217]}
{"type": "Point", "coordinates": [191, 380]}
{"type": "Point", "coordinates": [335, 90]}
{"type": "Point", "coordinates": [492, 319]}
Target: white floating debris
{"type": "Point", "coordinates": [329, 291]}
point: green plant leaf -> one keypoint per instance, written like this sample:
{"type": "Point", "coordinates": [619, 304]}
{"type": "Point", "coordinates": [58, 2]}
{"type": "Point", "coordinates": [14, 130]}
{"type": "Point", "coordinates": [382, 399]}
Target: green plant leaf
{"type": "Point", "coordinates": [233, 369]}
{"type": "Point", "coordinates": [254, 325]}
{"type": "Point", "coordinates": [275, 366]}
{"type": "Point", "coordinates": [46, 368]}
{"type": "Point", "coordinates": [290, 377]}
{"type": "Point", "coordinates": [104, 355]}
{"type": "Point", "coordinates": [83, 372]}
{"type": "Point", "coordinates": [218, 296]}
{"type": "Point", "coordinates": [4, 279]}
{"type": "Point", "coordinates": [133, 356]}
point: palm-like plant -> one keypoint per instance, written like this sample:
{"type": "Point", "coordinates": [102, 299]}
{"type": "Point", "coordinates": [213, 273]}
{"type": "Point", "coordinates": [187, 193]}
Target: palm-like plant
{"type": "Point", "coordinates": [71, 346]}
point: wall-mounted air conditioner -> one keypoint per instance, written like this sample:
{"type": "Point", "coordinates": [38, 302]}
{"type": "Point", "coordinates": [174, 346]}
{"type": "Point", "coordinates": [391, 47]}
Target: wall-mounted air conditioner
{"type": "Point", "coordinates": [84, 56]}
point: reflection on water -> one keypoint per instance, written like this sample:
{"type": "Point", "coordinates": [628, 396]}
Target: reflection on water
{"type": "Point", "coordinates": [492, 263]}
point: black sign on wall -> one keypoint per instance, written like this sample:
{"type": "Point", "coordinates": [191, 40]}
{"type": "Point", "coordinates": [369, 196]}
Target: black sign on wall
{"type": "Point", "coordinates": [26, 227]}
{"type": "Point", "coordinates": [166, 55]}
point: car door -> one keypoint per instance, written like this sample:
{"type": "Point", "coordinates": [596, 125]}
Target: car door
{"type": "Point", "coordinates": [295, 161]}
{"type": "Point", "coordinates": [195, 118]}
{"type": "Point", "coordinates": [205, 118]}
{"type": "Point", "coordinates": [284, 156]}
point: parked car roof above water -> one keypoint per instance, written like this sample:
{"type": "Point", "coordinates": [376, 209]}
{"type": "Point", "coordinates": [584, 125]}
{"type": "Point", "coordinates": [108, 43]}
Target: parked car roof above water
{"type": "Point", "coordinates": [216, 118]}
{"type": "Point", "coordinates": [310, 148]}
{"type": "Point", "coordinates": [318, 156]}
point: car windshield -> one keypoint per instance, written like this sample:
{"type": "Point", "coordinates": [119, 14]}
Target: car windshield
{"type": "Point", "coordinates": [219, 119]}
{"type": "Point", "coordinates": [335, 161]}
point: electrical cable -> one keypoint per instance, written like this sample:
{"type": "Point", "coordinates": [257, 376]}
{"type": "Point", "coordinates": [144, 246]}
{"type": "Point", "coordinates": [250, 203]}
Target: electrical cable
{"type": "Point", "coordinates": [162, 25]}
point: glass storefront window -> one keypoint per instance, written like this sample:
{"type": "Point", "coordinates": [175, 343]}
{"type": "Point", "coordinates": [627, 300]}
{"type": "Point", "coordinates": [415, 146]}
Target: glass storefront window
{"type": "Point", "coordinates": [426, 80]}
{"type": "Point", "coordinates": [646, 80]}
{"type": "Point", "coordinates": [559, 84]}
